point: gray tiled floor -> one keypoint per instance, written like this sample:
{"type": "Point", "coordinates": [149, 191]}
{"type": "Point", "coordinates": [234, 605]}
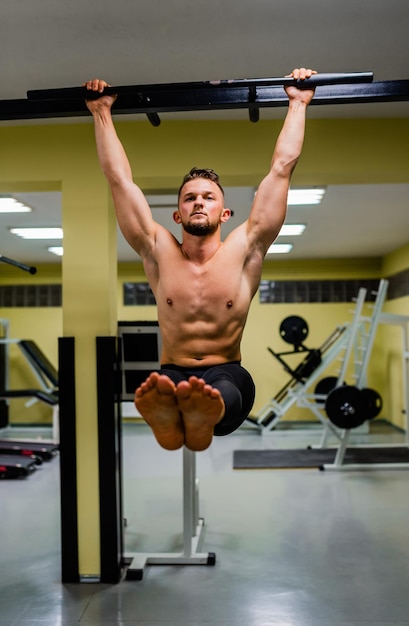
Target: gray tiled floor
{"type": "Point", "coordinates": [294, 547]}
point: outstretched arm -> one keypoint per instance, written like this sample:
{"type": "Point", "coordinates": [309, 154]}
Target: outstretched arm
{"type": "Point", "coordinates": [270, 204]}
{"type": "Point", "coordinates": [133, 212]}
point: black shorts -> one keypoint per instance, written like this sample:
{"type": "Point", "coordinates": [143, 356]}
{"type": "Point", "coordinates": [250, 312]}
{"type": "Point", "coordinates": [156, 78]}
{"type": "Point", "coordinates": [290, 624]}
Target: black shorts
{"type": "Point", "coordinates": [234, 383]}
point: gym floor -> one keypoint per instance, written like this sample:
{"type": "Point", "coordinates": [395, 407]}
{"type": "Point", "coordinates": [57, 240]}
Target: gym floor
{"type": "Point", "coordinates": [293, 547]}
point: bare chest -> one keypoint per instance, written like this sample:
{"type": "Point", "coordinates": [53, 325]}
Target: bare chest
{"type": "Point", "coordinates": [202, 290]}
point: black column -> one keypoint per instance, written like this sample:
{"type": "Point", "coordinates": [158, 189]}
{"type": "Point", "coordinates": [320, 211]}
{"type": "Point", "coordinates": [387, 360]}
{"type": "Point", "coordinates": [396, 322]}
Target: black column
{"type": "Point", "coordinates": [110, 460]}
{"type": "Point", "coordinates": [68, 460]}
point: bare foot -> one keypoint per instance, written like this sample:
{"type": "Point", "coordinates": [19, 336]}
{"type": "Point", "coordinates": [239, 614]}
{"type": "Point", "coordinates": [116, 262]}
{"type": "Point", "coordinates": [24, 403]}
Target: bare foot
{"type": "Point", "coordinates": [202, 407]}
{"type": "Point", "coordinates": [156, 401]}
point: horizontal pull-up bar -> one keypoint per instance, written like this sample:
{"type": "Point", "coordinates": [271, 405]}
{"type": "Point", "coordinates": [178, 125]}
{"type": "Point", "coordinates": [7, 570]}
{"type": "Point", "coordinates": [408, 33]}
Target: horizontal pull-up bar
{"type": "Point", "coordinates": [154, 99]}
{"type": "Point", "coordinates": [72, 93]}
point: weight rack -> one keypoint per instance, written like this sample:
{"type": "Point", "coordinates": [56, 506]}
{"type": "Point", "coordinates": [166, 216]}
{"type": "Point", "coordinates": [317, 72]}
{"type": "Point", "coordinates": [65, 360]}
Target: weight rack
{"type": "Point", "coordinates": [295, 393]}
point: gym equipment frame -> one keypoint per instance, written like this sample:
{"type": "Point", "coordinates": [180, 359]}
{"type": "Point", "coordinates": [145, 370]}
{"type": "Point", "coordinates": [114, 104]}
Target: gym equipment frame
{"type": "Point", "coordinates": [44, 372]}
{"type": "Point", "coordinates": [251, 94]}
{"type": "Point", "coordinates": [140, 348]}
{"type": "Point", "coordinates": [192, 530]}
{"type": "Point", "coordinates": [295, 392]}
{"type": "Point", "coordinates": [357, 338]}
{"type": "Point", "coordinates": [360, 336]}
{"type": "Point", "coordinates": [338, 464]}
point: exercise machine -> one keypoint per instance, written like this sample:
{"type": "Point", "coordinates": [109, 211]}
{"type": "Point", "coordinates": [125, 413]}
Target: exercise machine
{"type": "Point", "coordinates": [140, 354]}
{"type": "Point", "coordinates": [342, 407]}
{"type": "Point", "coordinates": [293, 329]}
{"type": "Point", "coordinates": [15, 453]}
{"type": "Point", "coordinates": [19, 458]}
{"type": "Point", "coordinates": [12, 468]}
{"type": "Point", "coordinates": [352, 405]}
{"type": "Point", "coordinates": [193, 526]}
{"type": "Point", "coordinates": [45, 373]}
{"type": "Point", "coordinates": [327, 399]}
{"type": "Point", "coordinates": [37, 450]}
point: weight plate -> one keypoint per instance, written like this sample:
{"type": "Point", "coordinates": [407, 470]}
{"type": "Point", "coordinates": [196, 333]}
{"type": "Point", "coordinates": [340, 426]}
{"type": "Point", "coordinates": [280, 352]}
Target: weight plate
{"type": "Point", "coordinates": [345, 408]}
{"type": "Point", "coordinates": [372, 402]}
{"type": "Point", "coordinates": [324, 386]}
{"type": "Point", "coordinates": [294, 330]}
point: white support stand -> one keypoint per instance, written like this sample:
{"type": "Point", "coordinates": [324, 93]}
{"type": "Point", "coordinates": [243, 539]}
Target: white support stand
{"type": "Point", "coordinates": [56, 424]}
{"type": "Point", "coordinates": [192, 530]}
{"type": "Point", "coordinates": [403, 322]}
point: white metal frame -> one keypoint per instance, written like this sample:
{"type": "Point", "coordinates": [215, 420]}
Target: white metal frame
{"type": "Point", "coordinates": [338, 464]}
{"type": "Point", "coordinates": [358, 339]}
{"type": "Point", "coordinates": [192, 530]}
{"type": "Point", "coordinates": [5, 339]}
{"type": "Point", "coordinates": [297, 395]}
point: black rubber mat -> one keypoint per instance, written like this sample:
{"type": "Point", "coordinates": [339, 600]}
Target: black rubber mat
{"type": "Point", "coordinates": [287, 459]}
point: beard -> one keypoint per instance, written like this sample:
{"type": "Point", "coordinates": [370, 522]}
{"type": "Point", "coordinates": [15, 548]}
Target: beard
{"type": "Point", "coordinates": [200, 230]}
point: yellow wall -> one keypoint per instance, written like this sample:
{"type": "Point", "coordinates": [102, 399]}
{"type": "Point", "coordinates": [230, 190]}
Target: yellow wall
{"type": "Point", "coordinates": [44, 326]}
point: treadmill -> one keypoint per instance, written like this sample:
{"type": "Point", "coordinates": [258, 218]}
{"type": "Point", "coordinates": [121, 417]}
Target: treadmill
{"type": "Point", "coordinates": [13, 466]}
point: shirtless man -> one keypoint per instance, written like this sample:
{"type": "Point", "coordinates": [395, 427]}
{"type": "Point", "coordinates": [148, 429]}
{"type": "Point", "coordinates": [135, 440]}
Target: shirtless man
{"type": "Point", "coordinates": [203, 286]}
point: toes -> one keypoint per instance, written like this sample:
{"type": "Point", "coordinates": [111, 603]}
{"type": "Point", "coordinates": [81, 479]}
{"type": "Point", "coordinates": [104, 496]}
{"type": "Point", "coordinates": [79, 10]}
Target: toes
{"type": "Point", "coordinates": [165, 385]}
{"type": "Point", "coordinates": [184, 389]}
{"type": "Point", "coordinates": [197, 384]}
{"type": "Point", "coordinates": [162, 385]}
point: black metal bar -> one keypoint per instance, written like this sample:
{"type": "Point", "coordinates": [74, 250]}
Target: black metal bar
{"type": "Point", "coordinates": [68, 93]}
{"type": "Point", "coordinates": [254, 111]}
{"type": "Point", "coordinates": [110, 466]}
{"type": "Point", "coordinates": [153, 118]}
{"type": "Point", "coordinates": [21, 266]}
{"type": "Point", "coordinates": [68, 461]}
{"type": "Point", "coordinates": [206, 99]}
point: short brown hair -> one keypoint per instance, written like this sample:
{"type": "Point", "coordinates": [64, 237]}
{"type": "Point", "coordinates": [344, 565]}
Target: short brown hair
{"type": "Point", "coordinates": [201, 173]}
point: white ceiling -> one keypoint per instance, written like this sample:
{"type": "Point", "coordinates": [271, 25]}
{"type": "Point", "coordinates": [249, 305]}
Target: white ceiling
{"type": "Point", "coordinates": [54, 43]}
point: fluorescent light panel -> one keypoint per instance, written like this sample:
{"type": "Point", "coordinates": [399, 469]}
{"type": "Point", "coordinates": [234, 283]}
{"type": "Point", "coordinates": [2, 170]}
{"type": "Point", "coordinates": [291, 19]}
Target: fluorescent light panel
{"type": "Point", "coordinates": [280, 248]}
{"type": "Point", "coordinates": [290, 230]}
{"type": "Point", "coordinates": [309, 195]}
{"type": "Point", "coordinates": [8, 204]}
{"type": "Point", "coordinates": [305, 196]}
{"type": "Point", "coordinates": [58, 250]}
{"type": "Point", "coordinates": [38, 233]}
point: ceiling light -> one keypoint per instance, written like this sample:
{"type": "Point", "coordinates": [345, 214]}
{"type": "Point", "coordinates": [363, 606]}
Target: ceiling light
{"type": "Point", "coordinates": [280, 248]}
{"type": "Point", "coordinates": [8, 204]}
{"type": "Point", "coordinates": [288, 230]}
{"type": "Point", "coordinates": [312, 195]}
{"type": "Point", "coordinates": [58, 250]}
{"type": "Point", "coordinates": [38, 233]}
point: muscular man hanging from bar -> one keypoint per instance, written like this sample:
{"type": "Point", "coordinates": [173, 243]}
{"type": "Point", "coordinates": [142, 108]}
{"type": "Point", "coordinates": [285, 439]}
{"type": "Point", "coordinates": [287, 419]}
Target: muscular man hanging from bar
{"type": "Point", "coordinates": [203, 286]}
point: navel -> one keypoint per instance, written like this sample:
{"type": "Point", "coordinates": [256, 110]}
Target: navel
{"type": "Point", "coordinates": [229, 304]}
{"type": "Point", "coordinates": [169, 302]}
